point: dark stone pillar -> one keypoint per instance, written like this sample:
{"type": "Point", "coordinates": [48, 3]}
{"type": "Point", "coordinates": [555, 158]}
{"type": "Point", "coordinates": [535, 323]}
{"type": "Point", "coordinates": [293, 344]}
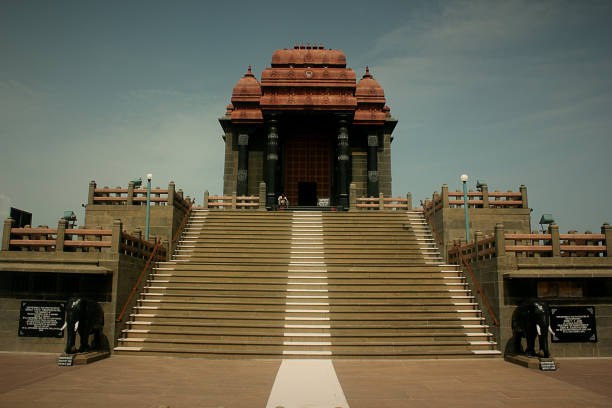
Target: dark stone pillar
{"type": "Point", "coordinates": [343, 166]}
{"type": "Point", "coordinates": [373, 166]}
{"type": "Point", "coordinates": [271, 164]}
{"type": "Point", "coordinates": [242, 185]}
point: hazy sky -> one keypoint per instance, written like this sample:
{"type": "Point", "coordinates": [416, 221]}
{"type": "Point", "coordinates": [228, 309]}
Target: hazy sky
{"type": "Point", "coordinates": [510, 92]}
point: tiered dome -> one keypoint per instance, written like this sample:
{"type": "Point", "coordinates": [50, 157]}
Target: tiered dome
{"type": "Point", "coordinates": [315, 55]}
{"type": "Point", "coordinates": [308, 78]}
{"type": "Point", "coordinates": [371, 108]}
{"type": "Point", "coordinates": [247, 89]}
{"type": "Point", "coordinates": [368, 89]}
{"type": "Point", "coordinates": [245, 100]}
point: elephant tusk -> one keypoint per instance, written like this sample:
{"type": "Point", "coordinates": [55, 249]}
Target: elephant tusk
{"type": "Point", "coordinates": [551, 330]}
{"type": "Point", "coordinates": [76, 326]}
{"type": "Point", "coordinates": [539, 330]}
{"type": "Point", "coordinates": [64, 326]}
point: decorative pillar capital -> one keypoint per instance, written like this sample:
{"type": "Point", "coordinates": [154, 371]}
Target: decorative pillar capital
{"type": "Point", "coordinates": [243, 139]}
{"type": "Point", "coordinates": [372, 141]}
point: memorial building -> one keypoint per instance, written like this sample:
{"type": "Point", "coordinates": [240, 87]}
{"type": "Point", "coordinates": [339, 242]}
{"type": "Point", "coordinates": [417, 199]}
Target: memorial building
{"type": "Point", "coordinates": [236, 277]}
{"type": "Point", "coordinates": [308, 128]}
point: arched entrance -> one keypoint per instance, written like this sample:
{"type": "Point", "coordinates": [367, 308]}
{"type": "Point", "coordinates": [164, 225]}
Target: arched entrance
{"type": "Point", "coordinates": [308, 167]}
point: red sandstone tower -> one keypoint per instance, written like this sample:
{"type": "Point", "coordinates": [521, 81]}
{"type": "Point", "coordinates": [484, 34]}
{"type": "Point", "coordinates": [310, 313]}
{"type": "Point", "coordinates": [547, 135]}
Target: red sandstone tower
{"type": "Point", "coordinates": [308, 129]}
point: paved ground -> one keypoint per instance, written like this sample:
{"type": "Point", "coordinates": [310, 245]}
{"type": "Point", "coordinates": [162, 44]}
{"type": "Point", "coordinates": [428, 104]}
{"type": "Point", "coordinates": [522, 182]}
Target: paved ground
{"type": "Point", "coordinates": [34, 380]}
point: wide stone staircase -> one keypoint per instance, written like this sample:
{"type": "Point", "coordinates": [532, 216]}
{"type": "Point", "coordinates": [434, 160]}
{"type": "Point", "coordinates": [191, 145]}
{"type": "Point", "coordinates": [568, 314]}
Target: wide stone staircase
{"type": "Point", "coordinates": [307, 284]}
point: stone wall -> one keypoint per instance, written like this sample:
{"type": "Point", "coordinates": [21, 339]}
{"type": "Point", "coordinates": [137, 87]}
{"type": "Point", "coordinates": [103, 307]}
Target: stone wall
{"type": "Point", "coordinates": [359, 171]}
{"type": "Point", "coordinates": [449, 223]}
{"type": "Point", "coordinates": [122, 270]}
{"type": "Point", "coordinates": [509, 280]}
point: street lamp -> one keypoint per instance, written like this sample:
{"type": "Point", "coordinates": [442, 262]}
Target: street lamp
{"type": "Point", "coordinates": [148, 219]}
{"type": "Point", "coordinates": [464, 180]}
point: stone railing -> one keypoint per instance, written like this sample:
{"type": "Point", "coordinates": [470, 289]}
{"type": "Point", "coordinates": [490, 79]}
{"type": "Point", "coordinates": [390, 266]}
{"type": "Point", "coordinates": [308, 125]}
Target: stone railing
{"type": "Point", "coordinates": [137, 196]}
{"type": "Point", "coordinates": [62, 239]}
{"type": "Point", "coordinates": [258, 202]}
{"type": "Point", "coordinates": [234, 202]}
{"type": "Point", "coordinates": [552, 244]}
{"type": "Point", "coordinates": [476, 199]}
{"type": "Point", "coordinates": [382, 203]}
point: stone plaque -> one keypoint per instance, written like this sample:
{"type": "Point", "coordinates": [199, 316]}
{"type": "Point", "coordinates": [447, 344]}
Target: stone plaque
{"type": "Point", "coordinates": [573, 324]}
{"type": "Point", "coordinates": [65, 360]}
{"type": "Point", "coordinates": [548, 364]}
{"type": "Point", "coordinates": [41, 319]}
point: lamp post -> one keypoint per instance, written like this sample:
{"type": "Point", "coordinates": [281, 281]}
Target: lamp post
{"type": "Point", "coordinates": [148, 218]}
{"type": "Point", "coordinates": [464, 180]}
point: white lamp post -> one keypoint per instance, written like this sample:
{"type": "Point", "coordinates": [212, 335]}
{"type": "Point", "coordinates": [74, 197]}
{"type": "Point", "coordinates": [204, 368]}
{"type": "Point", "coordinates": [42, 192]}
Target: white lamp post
{"type": "Point", "coordinates": [464, 180]}
{"type": "Point", "coordinates": [148, 219]}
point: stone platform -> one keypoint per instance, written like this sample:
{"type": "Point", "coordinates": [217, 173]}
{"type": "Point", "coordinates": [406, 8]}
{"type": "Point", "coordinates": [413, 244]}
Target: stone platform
{"type": "Point", "coordinates": [35, 380]}
{"type": "Point", "coordinates": [538, 363]}
{"type": "Point", "coordinates": [81, 358]}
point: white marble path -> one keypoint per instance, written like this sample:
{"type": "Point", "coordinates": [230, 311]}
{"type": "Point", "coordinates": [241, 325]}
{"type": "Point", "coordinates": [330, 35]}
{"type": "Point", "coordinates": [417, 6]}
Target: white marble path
{"type": "Point", "coordinates": [306, 384]}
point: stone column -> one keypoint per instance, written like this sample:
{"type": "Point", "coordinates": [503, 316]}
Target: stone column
{"type": "Point", "coordinates": [205, 201]}
{"type": "Point", "coordinates": [116, 237]}
{"type": "Point", "coordinates": [130, 193]}
{"type": "Point", "coordinates": [409, 201]}
{"type": "Point", "coordinates": [373, 166]}
{"type": "Point", "coordinates": [553, 230]}
{"type": "Point", "coordinates": [262, 196]}
{"type": "Point", "coordinates": [242, 185]}
{"type": "Point", "coordinates": [271, 165]}
{"type": "Point", "coordinates": [500, 240]}
{"type": "Point", "coordinates": [6, 234]}
{"type": "Point", "coordinates": [60, 237]}
{"type": "Point", "coordinates": [343, 166]}
{"type": "Point", "coordinates": [171, 193]}
{"type": "Point", "coordinates": [606, 229]}
{"type": "Point", "coordinates": [523, 190]}
{"type": "Point", "coordinates": [445, 196]}
{"type": "Point", "coordinates": [353, 197]}
{"type": "Point", "coordinates": [92, 190]}
{"type": "Point", "coordinates": [485, 196]}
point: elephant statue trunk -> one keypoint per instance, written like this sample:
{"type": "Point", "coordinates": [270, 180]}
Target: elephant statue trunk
{"type": "Point", "coordinates": [531, 320]}
{"type": "Point", "coordinates": [85, 317]}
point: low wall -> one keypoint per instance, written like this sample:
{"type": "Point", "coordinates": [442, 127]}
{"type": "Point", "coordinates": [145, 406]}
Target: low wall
{"type": "Point", "coordinates": [9, 325]}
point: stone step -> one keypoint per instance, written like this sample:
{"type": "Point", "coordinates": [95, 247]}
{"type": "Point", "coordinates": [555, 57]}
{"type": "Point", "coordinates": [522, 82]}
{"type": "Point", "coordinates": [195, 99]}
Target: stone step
{"type": "Point", "coordinates": [298, 313]}
{"type": "Point", "coordinates": [333, 292]}
{"type": "Point", "coordinates": [312, 305]}
{"type": "Point", "coordinates": [350, 329]}
{"type": "Point", "coordinates": [339, 321]}
{"type": "Point", "coordinates": [284, 334]}
{"type": "Point", "coordinates": [263, 347]}
{"type": "Point", "coordinates": [276, 298]}
{"type": "Point", "coordinates": [308, 279]}
{"type": "Point", "coordinates": [406, 268]}
{"type": "Point", "coordinates": [221, 353]}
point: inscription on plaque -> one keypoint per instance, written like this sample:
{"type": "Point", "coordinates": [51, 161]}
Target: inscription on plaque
{"type": "Point", "coordinates": [573, 324]}
{"type": "Point", "coordinates": [41, 319]}
{"type": "Point", "coordinates": [548, 365]}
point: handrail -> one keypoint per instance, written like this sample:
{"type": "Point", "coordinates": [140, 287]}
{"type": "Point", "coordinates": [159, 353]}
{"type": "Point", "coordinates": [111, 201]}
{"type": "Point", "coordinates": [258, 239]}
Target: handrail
{"type": "Point", "coordinates": [478, 288]}
{"type": "Point", "coordinates": [433, 229]}
{"type": "Point", "coordinates": [137, 283]}
{"type": "Point", "coordinates": [177, 234]}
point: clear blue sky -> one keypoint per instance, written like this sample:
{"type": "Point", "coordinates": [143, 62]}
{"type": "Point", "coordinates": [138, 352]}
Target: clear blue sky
{"type": "Point", "coordinates": [510, 92]}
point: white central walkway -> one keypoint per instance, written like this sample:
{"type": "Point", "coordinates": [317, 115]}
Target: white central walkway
{"type": "Point", "coordinates": [307, 384]}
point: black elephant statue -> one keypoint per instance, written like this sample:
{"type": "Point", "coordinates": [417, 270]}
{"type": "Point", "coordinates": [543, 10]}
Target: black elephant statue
{"type": "Point", "coordinates": [530, 320]}
{"type": "Point", "coordinates": [85, 317]}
